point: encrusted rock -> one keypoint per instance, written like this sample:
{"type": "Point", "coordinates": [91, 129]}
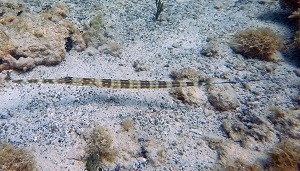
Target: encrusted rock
{"type": "Point", "coordinates": [41, 37]}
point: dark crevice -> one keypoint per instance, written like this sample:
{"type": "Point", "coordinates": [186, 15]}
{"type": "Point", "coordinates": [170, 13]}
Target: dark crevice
{"type": "Point", "coordinates": [19, 13]}
{"type": "Point", "coordinates": [17, 56]}
{"type": "Point", "coordinates": [69, 44]}
{"type": "Point", "coordinates": [1, 61]}
{"type": "Point", "coordinates": [1, 14]}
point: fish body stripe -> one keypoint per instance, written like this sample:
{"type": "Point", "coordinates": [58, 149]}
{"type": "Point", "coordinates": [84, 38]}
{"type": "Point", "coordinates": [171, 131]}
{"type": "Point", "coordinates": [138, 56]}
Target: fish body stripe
{"type": "Point", "coordinates": [109, 83]}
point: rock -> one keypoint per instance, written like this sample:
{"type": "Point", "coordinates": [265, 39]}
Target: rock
{"type": "Point", "coordinates": [91, 51]}
{"type": "Point", "coordinates": [139, 66]}
{"type": "Point", "coordinates": [212, 48]}
{"type": "Point", "coordinates": [29, 39]}
{"type": "Point", "coordinates": [190, 95]}
{"type": "Point", "coordinates": [222, 96]}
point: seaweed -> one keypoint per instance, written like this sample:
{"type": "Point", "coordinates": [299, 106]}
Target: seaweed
{"type": "Point", "coordinates": [262, 43]}
{"type": "Point", "coordinates": [100, 148]}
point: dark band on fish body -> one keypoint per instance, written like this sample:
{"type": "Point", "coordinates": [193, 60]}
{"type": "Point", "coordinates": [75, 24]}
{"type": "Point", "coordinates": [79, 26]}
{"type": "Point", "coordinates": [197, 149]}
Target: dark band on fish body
{"type": "Point", "coordinates": [125, 83]}
{"type": "Point", "coordinates": [33, 81]}
{"type": "Point", "coordinates": [51, 81]}
{"type": "Point", "coordinates": [88, 81]}
{"type": "Point", "coordinates": [190, 84]}
{"type": "Point", "coordinates": [106, 83]}
{"type": "Point", "coordinates": [162, 84]}
{"type": "Point", "coordinates": [68, 80]}
{"type": "Point", "coordinates": [175, 84]}
{"type": "Point", "coordinates": [145, 84]}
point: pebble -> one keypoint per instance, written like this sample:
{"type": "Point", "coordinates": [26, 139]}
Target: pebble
{"type": "Point", "coordinates": [222, 96]}
{"type": "Point", "coordinates": [91, 51]}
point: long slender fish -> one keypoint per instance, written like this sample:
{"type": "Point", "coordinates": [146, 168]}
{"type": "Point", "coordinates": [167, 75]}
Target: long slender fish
{"type": "Point", "coordinates": [110, 83]}
{"type": "Point", "coordinates": [119, 84]}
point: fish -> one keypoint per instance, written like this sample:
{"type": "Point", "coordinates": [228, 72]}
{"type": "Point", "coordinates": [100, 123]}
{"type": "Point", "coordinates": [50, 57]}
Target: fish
{"type": "Point", "coordinates": [120, 84]}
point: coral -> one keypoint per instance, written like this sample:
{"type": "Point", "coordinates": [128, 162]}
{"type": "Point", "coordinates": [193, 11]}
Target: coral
{"type": "Point", "coordinates": [234, 157]}
{"type": "Point", "coordinates": [222, 96]}
{"type": "Point", "coordinates": [239, 165]}
{"type": "Point", "coordinates": [29, 40]}
{"type": "Point", "coordinates": [100, 148]}
{"type": "Point", "coordinates": [296, 15]}
{"type": "Point", "coordinates": [139, 66]}
{"type": "Point", "coordinates": [297, 38]}
{"type": "Point", "coordinates": [262, 43]}
{"type": "Point", "coordinates": [212, 48]}
{"type": "Point", "coordinates": [60, 9]}
{"type": "Point", "coordinates": [113, 49]}
{"type": "Point", "coordinates": [18, 159]}
{"type": "Point", "coordinates": [294, 5]}
{"type": "Point", "coordinates": [96, 22]}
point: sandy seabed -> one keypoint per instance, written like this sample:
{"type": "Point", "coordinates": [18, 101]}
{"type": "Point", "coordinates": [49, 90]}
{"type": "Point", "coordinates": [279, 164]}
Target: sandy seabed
{"type": "Point", "coordinates": [55, 121]}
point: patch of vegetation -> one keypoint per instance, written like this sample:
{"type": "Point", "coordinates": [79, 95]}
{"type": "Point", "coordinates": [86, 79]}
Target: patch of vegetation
{"type": "Point", "coordinates": [96, 22]}
{"type": "Point", "coordinates": [285, 156]}
{"type": "Point", "coordinates": [93, 36]}
{"type": "Point", "coordinates": [262, 43]}
{"type": "Point", "coordinates": [100, 149]}
{"type": "Point", "coordinates": [159, 8]}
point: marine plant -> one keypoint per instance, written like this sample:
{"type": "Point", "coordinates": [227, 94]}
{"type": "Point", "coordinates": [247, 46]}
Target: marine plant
{"type": "Point", "coordinates": [159, 8]}
{"type": "Point", "coordinates": [262, 43]}
{"type": "Point", "coordinates": [100, 148]}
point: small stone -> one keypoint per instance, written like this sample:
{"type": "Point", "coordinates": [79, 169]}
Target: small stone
{"type": "Point", "coordinates": [269, 68]}
{"type": "Point", "coordinates": [196, 131]}
{"type": "Point", "coordinates": [176, 45]}
{"type": "Point", "coordinates": [222, 96]}
{"type": "Point", "coordinates": [91, 51]}
{"type": "Point", "coordinates": [194, 96]}
{"type": "Point", "coordinates": [211, 49]}
{"type": "Point", "coordinates": [218, 5]}
{"type": "Point", "coordinates": [139, 66]}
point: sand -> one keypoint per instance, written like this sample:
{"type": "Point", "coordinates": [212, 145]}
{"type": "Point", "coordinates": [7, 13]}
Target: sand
{"type": "Point", "coordinates": [54, 121]}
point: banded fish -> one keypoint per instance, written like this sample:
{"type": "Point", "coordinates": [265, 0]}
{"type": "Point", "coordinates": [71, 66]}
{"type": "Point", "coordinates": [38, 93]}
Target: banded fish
{"type": "Point", "coordinates": [120, 84]}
